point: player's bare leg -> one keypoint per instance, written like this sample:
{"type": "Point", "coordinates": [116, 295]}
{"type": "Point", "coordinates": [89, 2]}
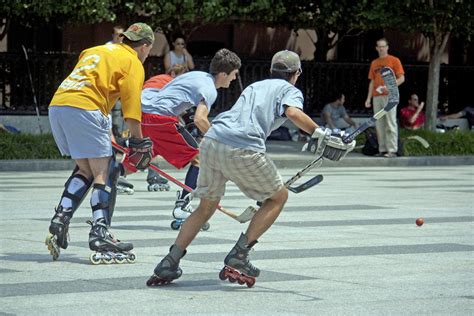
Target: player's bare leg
{"type": "Point", "coordinates": [195, 222]}
{"type": "Point", "coordinates": [267, 214]}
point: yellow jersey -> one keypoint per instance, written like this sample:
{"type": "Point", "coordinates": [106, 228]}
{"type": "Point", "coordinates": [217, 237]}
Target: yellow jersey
{"type": "Point", "coordinates": [102, 75]}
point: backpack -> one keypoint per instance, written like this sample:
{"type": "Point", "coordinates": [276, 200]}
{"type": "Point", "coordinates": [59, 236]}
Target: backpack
{"type": "Point", "coordinates": [371, 146]}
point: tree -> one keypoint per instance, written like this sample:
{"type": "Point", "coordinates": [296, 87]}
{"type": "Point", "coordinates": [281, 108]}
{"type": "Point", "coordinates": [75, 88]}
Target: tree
{"type": "Point", "coordinates": [438, 20]}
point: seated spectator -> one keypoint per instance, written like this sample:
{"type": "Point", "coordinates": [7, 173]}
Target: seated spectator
{"type": "Point", "coordinates": [179, 55]}
{"type": "Point", "coordinates": [411, 116]}
{"type": "Point", "coordinates": [334, 111]}
{"type": "Point", "coordinates": [467, 112]}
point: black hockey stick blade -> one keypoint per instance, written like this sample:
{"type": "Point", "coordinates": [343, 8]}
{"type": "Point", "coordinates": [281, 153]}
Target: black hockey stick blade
{"type": "Point", "coordinates": [308, 184]}
{"type": "Point", "coordinates": [390, 81]}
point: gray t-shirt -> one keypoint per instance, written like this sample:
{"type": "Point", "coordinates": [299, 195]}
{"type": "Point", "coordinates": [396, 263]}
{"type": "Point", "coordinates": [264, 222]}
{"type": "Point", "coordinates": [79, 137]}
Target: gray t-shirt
{"type": "Point", "coordinates": [258, 111]}
{"type": "Point", "coordinates": [336, 113]}
{"type": "Point", "coordinates": [180, 94]}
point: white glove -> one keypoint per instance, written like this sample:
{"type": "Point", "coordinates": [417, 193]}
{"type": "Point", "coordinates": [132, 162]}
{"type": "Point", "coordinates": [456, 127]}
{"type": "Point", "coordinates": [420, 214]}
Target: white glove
{"type": "Point", "coordinates": [318, 141]}
{"type": "Point", "coordinates": [327, 143]}
{"type": "Point", "coordinates": [336, 149]}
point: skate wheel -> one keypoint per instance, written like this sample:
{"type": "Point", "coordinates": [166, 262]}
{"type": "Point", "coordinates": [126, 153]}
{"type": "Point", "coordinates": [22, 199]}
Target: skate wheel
{"type": "Point", "coordinates": [206, 226]}
{"type": "Point", "coordinates": [155, 280]}
{"type": "Point", "coordinates": [52, 247]}
{"type": "Point", "coordinates": [222, 275]}
{"type": "Point", "coordinates": [250, 283]}
{"type": "Point", "coordinates": [175, 225]}
{"type": "Point", "coordinates": [150, 189]}
{"type": "Point", "coordinates": [131, 258]}
{"type": "Point", "coordinates": [95, 259]}
{"type": "Point", "coordinates": [240, 281]}
{"type": "Point", "coordinates": [151, 281]}
{"type": "Point", "coordinates": [119, 260]}
{"type": "Point", "coordinates": [107, 260]}
{"type": "Point", "coordinates": [232, 280]}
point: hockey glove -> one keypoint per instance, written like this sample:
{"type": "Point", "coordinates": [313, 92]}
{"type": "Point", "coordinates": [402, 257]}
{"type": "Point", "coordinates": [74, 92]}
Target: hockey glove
{"type": "Point", "coordinates": [141, 152]}
{"type": "Point", "coordinates": [318, 141]}
{"type": "Point", "coordinates": [328, 143]}
{"type": "Point", "coordinates": [336, 149]}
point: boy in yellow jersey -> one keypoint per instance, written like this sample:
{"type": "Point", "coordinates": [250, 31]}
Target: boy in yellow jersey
{"type": "Point", "coordinates": [78, 114]}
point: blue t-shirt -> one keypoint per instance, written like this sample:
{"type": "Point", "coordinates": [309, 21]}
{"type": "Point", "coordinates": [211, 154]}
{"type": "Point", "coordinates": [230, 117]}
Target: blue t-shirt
{"type": "Point", "coordinates": [259, 110]}
{"type": "Point", "coordinates": [181, 94]}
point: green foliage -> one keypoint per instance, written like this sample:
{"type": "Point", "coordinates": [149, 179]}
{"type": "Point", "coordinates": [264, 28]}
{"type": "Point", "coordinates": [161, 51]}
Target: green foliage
{"type": "Point", "coordinates": [451, 143]}
{"type": "Point", "coordinates": [25, 146]}
{"type": "Point", "coordinates": [32, 12]}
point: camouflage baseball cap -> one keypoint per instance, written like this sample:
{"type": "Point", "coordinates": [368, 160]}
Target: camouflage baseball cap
{"type": "Point", "coordinates": [286, 61]}
{"type": "Point", "coordinates": [139, 31]}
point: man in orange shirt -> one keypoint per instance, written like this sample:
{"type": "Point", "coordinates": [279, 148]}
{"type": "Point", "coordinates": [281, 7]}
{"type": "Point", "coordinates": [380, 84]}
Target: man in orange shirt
{"type": "Point", "coordinates": [387, 129]}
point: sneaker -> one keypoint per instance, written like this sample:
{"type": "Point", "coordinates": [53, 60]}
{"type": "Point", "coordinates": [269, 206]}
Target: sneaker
{"type": "Point", "coordinates": [182, 208]}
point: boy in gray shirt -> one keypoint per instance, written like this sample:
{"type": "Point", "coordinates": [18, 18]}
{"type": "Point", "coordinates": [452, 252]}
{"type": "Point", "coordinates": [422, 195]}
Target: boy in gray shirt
{"type": "Point", "coordinates": [234, 149]}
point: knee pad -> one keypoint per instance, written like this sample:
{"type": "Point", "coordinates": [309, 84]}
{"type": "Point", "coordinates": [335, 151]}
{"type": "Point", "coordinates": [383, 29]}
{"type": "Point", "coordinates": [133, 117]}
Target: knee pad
{"type": "Point", "coordinates": [100, 202]}
{"type": "Point", "coordinates": [104, 196]}
{"type": "Point", "coordinates": [75, 190]}
{"type": "Point", "coordinates": [115, 171]}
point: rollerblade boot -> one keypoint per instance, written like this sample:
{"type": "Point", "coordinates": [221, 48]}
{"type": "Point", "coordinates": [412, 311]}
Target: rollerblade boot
{"type": "Point", "coordinates": [58, 231]}
{"type": "Point", "coordinates": [108, 248]}
{"type": "Point", "coordinates": [182, 210]}
{"type": "Point", "coordinates": [157, 182]}
{"type": "Point", "coordinates": [168, 269]}
{"type": "Point", "coordinates": [237, 265]}
{"type": "Point", "coordinates": [124, 187]}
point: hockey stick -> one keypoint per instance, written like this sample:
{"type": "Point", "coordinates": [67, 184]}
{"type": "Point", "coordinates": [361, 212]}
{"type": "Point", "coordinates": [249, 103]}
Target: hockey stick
{"type": "Point", "coordinates": [390, 80]}
{"type": "Point", "coordinates": [393, 98]}
{"type": "Point", "coordinates": [305, 186]}
{"type": "Point", "coordinates": [32, 89]}
{"type": "Point", "coordinates": [419, 139]}
{"type": "Point", "coordinates": [242, 218]}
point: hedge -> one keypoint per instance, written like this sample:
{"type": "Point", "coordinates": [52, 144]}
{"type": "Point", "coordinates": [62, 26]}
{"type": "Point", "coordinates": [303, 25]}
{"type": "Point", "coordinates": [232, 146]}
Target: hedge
{"type": "Point", "coordinates": [451, 143]}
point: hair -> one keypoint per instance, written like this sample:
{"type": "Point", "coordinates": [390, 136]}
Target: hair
{"type": "Point", "coordinates": [275, 74]}
{"type": "Point", "coordinates": [117, 27]}
{"type": "Point", "coordinates": [176, 36]}
{"type": "Point", "coordinates": [224, 61]}
{"type": "Point", "coordinates": [135, 44]}
{"type": "Point", "coordinates": [177, 69]}
{"type": "Point", "coordinates": [382, 39]}
{"type": "Point", "coordinates": [336, 96]}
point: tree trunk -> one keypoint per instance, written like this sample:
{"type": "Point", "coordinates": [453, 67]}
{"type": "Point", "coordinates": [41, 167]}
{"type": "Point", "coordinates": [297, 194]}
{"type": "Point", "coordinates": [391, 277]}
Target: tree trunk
{"type": "Point", "coordinates": [437, 45]}
{"type": "Point", "coordinates": [320, 55]}
{"type": "Point", "coordinates": [433, 90]}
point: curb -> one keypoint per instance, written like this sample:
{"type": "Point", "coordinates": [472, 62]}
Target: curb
{"type": "Point", "coordinates": [280, 160]}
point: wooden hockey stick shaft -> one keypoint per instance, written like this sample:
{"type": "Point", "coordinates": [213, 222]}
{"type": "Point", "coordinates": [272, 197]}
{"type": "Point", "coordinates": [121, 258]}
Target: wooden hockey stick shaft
{"type": "Point", "coordinates": [175, 181]}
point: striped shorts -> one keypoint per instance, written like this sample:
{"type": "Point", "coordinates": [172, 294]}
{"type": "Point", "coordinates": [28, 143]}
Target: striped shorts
{"type": "Point", "coordinates": [253, 172]}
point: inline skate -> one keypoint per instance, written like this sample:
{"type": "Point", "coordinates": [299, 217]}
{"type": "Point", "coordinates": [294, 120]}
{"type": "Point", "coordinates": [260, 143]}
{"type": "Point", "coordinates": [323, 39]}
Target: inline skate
{"type": "Point", "coordinates": [58, 231]}
{"type": "Point", "coordinates": [182, 210]}
{"type": "Point", "coordinates": [237, 265]}
{"type": "Point", "coordinates": [168, 269]}
{"type": "Point", "coordinates": [124, 187]}
{"type": "Point", "coordinates": [107, 248]}
{"type": "Point", "coordinates": [157, 183]}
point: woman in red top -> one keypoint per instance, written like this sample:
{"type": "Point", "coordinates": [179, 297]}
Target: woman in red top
{"type": "Point", "coordinates": [411, 116]}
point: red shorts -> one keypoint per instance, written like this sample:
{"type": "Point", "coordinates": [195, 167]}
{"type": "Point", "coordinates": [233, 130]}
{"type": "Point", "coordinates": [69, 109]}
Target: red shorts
{"type": "Point", "coordinates": [170, 140]}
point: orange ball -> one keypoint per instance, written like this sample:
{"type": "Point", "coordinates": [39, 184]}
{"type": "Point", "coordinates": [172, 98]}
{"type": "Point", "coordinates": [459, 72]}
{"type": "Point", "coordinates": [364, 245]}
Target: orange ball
{"type": "Point", "coordinates": [419, 221]}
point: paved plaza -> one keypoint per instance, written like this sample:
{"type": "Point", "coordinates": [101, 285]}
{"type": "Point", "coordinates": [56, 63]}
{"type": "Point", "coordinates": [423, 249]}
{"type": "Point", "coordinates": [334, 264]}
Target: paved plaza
{"type": "Point", "coordinates": [347, 246]}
